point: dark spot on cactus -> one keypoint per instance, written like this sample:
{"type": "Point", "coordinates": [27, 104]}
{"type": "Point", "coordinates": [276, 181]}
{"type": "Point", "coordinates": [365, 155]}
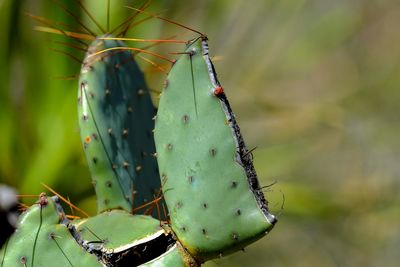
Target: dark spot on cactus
{"type": "Point", "coordinates": [190, 179]}
{"type": "Point", "coordinates": [109, 184]}
{"type": "Point", "coordinates": [165, 83]}
{"type": "Point", "coordinates": [185, 118]}
{"type": "Point", "coordinates": [109, 130]}
{"type": "Point", "coordinates": [126, 165]}
{"type": "Point", "coordinates": [23, 260]}
{"type": "Point", "coordinates": [233, 184]}
{"type": "Point", "coordinates": [138, 168]}
{"type": "Point", "coordinates": [52, 236]}
{"type": "Point", "coordinates": [130, 109]}
{"type": "Point", "coordinates": [95, 136]}
{"type": "Point", "coordinates": [125, 132]}
{"type": "Point", "coordinates": [79, 100]}
{"type": "Point", "coordinates": [238, 212]}
{"type": "Point", "coordinates": [204, 231]}
{"type": "Point", "coordinates": [83, 85]}
{"type": "Point", "coordinates": [235, 236]}
{"type": "Point", "coordinates": [169, 146]}
{"type": "Point", "coordinates": [140, 92]}
{"type": "Point", "coordinates": [205, 205]}
{"type": "Point", "coordinates": [183, 228]}
{"type": "Point", "coordinates": [94, 160]}
{"type": "Point", "coordinates": [91, 95]}
{"type": "Point", "coordinates": [213, 152]}
{"type": "Point", "coordinates": [178, 205]}
{"type": "Point", "coordinates": [85, 117]}
{"type": "Point", "coordinates": [106, 201]}
{"type": "Point", "coordinates": [108, 92]}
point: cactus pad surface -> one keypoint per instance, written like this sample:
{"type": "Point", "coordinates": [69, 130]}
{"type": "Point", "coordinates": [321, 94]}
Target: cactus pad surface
{"type": "Point", "coordinates": [43, 239]}
{"type": "Point", "coordinates": [210, 185]}
{"type": "Point", "coordinates": [115, 118]}
{"type": "Point", "coordinates": [119, 238]}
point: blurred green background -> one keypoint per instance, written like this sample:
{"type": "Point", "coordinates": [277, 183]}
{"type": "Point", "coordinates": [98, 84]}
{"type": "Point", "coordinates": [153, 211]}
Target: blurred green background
{"type": "Point", "coordinates": [314, 84]}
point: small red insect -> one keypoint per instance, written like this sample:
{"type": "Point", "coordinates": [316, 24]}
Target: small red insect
{"type": "Point", "coordinates": [219, 90]}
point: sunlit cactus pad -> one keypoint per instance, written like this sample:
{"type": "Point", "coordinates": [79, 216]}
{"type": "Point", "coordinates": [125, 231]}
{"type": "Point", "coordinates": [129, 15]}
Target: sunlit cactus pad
{"type": "Point", "coordinates": [122, 239]}
{"type": "Point", "coordinates": [211, 188]}
{"type": "Point", "coordinates": [43, 239]}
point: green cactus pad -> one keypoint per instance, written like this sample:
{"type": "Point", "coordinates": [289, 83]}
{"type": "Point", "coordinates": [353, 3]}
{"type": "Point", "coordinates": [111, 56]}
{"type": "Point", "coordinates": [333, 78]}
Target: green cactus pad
{"type": "Point", "coordinates": [127, 230]}
{"type": "Point", "coordinates": [211, 189]}
{"type": "Point", "coordinates": [43, 239]}
{"type": "Point", "coordinates": [119, 238]}
{"type": "Point", "coordinates": [115, 118]}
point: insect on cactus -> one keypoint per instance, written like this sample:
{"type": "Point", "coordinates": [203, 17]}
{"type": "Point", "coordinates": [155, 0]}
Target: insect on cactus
{"type": "Point", "coordinates": [214, 201]}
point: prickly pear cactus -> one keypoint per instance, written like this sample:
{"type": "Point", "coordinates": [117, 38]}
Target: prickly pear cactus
{"type": "Point", "coordinates": [211, 188]}
{"type": "Point", "coordinates": [115, 118]}
{"type": "Point", "coordinates": [44, 239]}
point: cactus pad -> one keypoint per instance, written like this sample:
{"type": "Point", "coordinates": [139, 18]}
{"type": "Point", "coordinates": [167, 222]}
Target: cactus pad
{"type": "Point", "coordinates": [115, 117]}
{"type": "Point", "coordinates": [210, 185]}
{"type": "Point", "coordinates": [43, 239]}
{"type": "Point", "coordinates": [122, 239]}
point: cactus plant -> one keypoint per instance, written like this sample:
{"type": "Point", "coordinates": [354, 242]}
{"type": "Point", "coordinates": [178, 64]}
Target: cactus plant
{"type": "Point", "coordinates": [115, 118]}
{"type": "Point", "coordinates": [211, 188]}
{"type": "Point", "coordinates": [209, 183]}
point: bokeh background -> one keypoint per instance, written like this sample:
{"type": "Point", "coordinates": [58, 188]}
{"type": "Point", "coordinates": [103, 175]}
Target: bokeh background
{"type": "Point", "coordinates": [315, 87]}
